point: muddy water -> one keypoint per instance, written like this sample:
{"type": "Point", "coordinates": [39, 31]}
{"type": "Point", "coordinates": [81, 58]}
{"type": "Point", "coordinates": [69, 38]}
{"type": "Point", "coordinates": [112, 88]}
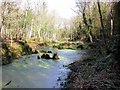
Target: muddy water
{"type": "Point", "coordinates": [30, 72]}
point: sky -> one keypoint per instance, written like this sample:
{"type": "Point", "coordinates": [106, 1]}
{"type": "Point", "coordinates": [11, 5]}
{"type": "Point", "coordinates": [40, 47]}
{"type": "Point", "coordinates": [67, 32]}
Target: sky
{"type": "Point", "coordinates": [62, 7]}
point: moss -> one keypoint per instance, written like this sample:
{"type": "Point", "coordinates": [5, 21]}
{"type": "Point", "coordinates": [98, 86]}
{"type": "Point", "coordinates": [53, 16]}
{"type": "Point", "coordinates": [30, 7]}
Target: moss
{"type": "Point", "coordinates": [3, 51]}
{"type": "Point", "coordinates": [14, 55]}
{"type": "Point", "coordinates": [71, 45]}
{"type": "Point", "coordinates": [4, 45]}
{"type": "Point", "coordinates": [65, 45]}
{"type": "Point", "coordinates": [26, 49]}
{"type": "Point", "coordinates": [17, 49]}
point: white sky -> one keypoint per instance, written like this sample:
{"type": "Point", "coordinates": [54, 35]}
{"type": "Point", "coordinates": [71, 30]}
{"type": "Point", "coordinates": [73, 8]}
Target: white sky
{"type": "Point", "coordinates": [62, 7]}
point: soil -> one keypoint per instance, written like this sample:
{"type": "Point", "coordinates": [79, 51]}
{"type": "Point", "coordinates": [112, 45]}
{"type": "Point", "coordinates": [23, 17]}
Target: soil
{"type": "Point", "coordinates": [93, 73]}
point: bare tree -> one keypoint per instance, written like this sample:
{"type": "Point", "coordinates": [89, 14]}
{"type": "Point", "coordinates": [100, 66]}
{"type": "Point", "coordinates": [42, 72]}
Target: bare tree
{"type": "Point", "coordinates": [82, 8]}
{"type": "Point", "coordinates": [111, 19]}
{"type": "Point", "coordinates": [101, 20]}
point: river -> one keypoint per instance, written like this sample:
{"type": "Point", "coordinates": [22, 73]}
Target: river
{"type": "Point", "coordinates": [30, 72]}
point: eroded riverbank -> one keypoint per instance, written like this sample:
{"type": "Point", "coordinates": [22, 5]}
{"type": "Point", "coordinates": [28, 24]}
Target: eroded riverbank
{"type": "Point", "coordinates": [96, 73]}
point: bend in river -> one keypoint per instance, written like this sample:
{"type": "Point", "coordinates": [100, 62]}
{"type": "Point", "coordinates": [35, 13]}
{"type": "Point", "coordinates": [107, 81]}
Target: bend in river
{"type": "Point", "coordinates": [30, 72]}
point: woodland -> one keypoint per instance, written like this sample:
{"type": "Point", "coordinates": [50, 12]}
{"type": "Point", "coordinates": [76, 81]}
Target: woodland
{"type": "Point", "coordinates": [95, 28]}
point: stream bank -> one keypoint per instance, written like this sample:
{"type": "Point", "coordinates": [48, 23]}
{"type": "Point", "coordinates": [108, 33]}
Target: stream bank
{"type": "Point", "coordinates": [94, 73]}
{"type": "Point", "coordinates": [18, 48]}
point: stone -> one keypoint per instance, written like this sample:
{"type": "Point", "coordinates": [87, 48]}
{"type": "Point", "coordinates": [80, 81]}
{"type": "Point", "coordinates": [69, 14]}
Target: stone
{"type": "Point", "coordinates": [38, 57]}
{"type": "Point", "coordinates": [49, 52]}
{"type": "Point", "coordinates": [55, 56]}
{"type": "Point", "coordinates": [35, 52]}
{"type": "Point", "coordinates": [45, 56]}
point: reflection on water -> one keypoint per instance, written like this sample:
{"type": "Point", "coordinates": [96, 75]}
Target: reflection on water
{"type": "Point", "coordinates": [30, 72]}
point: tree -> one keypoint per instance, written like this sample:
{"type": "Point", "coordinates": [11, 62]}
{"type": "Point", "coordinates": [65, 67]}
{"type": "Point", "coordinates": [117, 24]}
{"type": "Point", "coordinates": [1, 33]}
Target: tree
{"type": "Point", "coordinates": [101, 20]}
{"type": "Point", "coordinates": [83, 8]}
{"type": "Point", "coordinates": [10, 18]}
{"type": "Point", "coordinates": [116, 17]}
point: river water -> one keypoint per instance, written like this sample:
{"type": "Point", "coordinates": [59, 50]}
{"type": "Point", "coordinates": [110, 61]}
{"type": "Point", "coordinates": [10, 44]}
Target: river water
{"type": "Point", "coordinates": [30, 72]}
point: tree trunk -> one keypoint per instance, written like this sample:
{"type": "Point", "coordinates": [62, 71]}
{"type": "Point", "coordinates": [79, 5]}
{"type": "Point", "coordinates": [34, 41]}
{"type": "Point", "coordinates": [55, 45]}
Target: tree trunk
{"type": "Point", "coordinates": [91, 38]}
{"type": "Point", "coordinates": [112, 23]}
{"type": "Point", "coordinates": [85, 22]}
{"type": "Point", "coordinates": [101, 20]}
{"type": "Point", "coordinates": [39, 32]}
{"type": "Point", "coordinates": [11, 40]}
{"type": "Point", "coordinates": [102, 33]}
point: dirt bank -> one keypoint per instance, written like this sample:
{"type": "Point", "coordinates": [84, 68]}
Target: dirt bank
{"type": "Point", "coordinates": [16, 50]}
{"type": "Point", "coordinates": [96, 73]}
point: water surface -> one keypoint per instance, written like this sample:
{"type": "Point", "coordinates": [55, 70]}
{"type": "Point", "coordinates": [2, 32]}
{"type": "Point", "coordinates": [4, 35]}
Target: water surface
{"type": "Point", "coordinates": [30, 72]}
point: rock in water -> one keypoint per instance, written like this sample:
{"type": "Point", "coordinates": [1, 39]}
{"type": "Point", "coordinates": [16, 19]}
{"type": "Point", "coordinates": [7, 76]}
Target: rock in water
{"type": "Point", "coordinates": [49, 52]}
{"type": "Point", "coordinates": [38, 57]}
{"type": "Point", "coordinates": [55, 56]}
{"type": "Point", "coordinates": [45, 56]}
{"type": "Point", "coordinates": [35, 52]}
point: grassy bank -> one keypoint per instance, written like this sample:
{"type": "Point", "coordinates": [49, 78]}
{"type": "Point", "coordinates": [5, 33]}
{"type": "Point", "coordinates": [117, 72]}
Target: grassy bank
{"type": "Point", "coordinates": [30, 46]}
{"type": "Point", "coordinates": [72, 45]}
{"type": "Point", "coordinates": [17, 49]}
